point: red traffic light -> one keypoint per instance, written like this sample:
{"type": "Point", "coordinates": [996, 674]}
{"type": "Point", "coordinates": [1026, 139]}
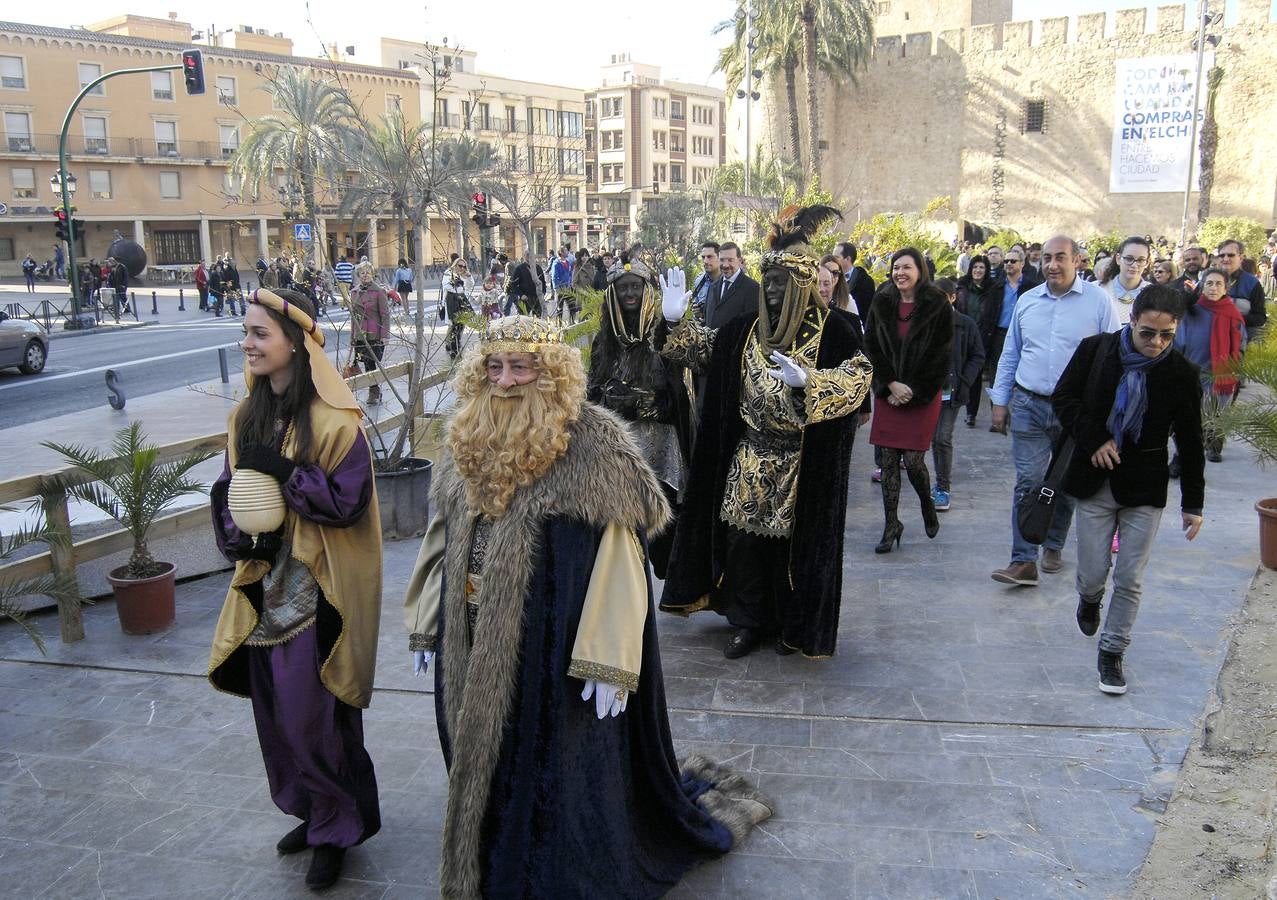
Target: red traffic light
{"type": "Point", "coordinates": [60, 215]}
{"type": "Point", "coordinates": [480, 199]}
{"type": "Point", "coordinates": [193, 71]}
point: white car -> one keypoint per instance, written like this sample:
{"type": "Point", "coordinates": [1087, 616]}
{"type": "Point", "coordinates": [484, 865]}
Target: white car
{"type": "Point", "coordinates": [23, 345]}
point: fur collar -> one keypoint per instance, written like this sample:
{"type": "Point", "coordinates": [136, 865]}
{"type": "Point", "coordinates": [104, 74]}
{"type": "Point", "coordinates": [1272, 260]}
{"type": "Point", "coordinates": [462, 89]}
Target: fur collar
{"type": "Point", "coordinates": [601, 478]}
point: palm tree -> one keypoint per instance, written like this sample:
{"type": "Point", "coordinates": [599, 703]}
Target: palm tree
{"type": "Point", "coordinates": [60, 588]}
{"type": "Point", "coordinates": [832, 36]}
{"type": "Point", "coordinates": [309, 136]}
{"type": "Point", "coordinates": [1208, 143]}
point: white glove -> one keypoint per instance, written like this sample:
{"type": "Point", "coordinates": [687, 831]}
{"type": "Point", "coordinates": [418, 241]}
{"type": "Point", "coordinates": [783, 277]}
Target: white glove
{"type": "Point", "coordinates": [674, 295]}
{"type": "Point", "coordinates": [789, 372]}
{"type": "Point", "coordinates": [608, 698]}
{"type": "Point", "coordinates": [420, 660]}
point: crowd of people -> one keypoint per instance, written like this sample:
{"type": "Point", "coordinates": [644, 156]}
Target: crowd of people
{"type": "Point", "coordinates": [709, 444]}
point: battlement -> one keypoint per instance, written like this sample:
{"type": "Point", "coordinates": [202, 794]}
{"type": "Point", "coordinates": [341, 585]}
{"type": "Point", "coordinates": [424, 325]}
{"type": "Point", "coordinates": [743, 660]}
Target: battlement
{"type": "Point", "coordinates": [1088, 31]}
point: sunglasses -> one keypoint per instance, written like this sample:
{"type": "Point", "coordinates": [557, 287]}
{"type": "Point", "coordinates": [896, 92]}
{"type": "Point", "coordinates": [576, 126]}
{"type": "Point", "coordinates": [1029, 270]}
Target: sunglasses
{"type": "Point", "coordinates": [1149, 333]}
{"type": "Point", "coordinates": [1228, 255]}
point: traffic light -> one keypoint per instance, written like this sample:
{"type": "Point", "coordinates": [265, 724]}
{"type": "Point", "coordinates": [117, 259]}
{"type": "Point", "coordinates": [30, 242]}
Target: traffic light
{"type": "Point", "coordinates": [480, 201]}
{"type": "Point", "coordinates": [60, 230]}
{"type": "Point", "coordinates": [77, 229]}
{"type": "Point", "coordinates": [193, 71]}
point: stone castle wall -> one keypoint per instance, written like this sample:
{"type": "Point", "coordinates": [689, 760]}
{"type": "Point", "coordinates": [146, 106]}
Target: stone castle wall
{"type": "Point", "coordinates": [941, 114]}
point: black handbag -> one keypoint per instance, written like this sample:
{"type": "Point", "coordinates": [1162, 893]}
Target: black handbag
{"type": "Point", "coordinates": [1036, 509]}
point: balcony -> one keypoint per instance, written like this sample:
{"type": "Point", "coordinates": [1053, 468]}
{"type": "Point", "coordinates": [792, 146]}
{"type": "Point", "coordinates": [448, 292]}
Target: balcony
{"type": "Point", "coordinates": [161, 95]}
{"type": "Point", "coordinates": [23, 143]}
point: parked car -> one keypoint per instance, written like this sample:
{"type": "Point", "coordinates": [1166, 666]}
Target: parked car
{"type": "Point", "coordinates": [23, 344]}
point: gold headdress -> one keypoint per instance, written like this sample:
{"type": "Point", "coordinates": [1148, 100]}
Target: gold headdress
{"type": "Point", "coordinates": [789, 248]}
{"type": "Point", "coordinates": [518, 334]}
{"type": "Point", "coordinates": [330, 386]}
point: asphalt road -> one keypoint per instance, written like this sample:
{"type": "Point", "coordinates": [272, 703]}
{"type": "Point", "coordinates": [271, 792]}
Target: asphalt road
{"type": "Point", "coordinates": [148, 359]}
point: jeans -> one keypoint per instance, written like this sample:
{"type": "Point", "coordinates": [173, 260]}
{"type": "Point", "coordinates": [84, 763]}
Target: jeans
{"type": "Point", "coordinates": [942, 443]}
{"type": "Point", "coordinates": [1098, 517]}
{"type": "Point", "coordinates": [1034, 432]}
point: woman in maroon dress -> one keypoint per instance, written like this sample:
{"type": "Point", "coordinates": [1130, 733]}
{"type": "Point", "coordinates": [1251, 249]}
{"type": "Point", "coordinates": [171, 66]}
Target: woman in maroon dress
{"type": "Point", "coordinates": [908, 338]}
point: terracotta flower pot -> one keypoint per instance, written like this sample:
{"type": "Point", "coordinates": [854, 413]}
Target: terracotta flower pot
{"type": "Point", "coordinates": [144, 605]}
{"type": "Point", "coordinates": [1267, 510]}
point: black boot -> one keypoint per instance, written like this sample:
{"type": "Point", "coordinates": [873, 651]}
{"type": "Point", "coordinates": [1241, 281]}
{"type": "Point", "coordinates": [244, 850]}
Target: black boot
{"type": "Point", "coordinates": [1088, 614]}
{"type": "Point", "coordinates": [325, 866]}
{"type": "Point", "coordinates": [890, 534]}
{"type": "Point", "coordinates": [294, 841]}
{"type": "Point", "coordinates": [1112, 681]}
{"type": "Point", "coordinates": [744, 642]}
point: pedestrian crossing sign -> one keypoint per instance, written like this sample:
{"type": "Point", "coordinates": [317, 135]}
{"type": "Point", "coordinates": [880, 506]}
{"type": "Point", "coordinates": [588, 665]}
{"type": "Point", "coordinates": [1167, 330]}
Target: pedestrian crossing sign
{"type": "Point", "coordinates": [301, 231]}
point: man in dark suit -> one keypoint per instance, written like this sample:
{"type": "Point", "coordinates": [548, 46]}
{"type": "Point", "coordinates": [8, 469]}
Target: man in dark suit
{"type": "Point", "coordinates": [735, 293]}
{"type": "Point", "coordinates": [860, 283]}
{"type": "Point", "coordinates": [1118, 471]}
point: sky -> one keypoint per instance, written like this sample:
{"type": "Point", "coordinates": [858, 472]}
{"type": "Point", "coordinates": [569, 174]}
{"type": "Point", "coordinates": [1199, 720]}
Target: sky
{"type": "Point", "coordinates": [554, 44]}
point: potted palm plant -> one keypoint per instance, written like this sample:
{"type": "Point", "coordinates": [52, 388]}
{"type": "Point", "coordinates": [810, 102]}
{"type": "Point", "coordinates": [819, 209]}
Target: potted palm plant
{"type": "Point", "coordinates": [59, 588]}
{"type": "Point", "coordinates": [133, 487]}
{"type": "Point", "coordinates": [1253, 421]}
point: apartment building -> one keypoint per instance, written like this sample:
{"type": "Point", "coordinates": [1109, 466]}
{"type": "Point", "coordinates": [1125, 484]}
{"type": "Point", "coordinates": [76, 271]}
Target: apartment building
{"type": "Point", "coordinates": [535, 133]}
{"type": "Point", "coordinates": [645, 137]}
{"type": "Point", "coordinates": [150, 161]}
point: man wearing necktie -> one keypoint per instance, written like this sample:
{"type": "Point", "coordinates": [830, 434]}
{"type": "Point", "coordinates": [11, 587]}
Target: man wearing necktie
{"type": "Point", "coordinates": [735, 293]}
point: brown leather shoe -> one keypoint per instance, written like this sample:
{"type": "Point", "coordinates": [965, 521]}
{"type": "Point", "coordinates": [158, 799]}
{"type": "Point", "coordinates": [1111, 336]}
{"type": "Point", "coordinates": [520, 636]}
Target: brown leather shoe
{"type": "Point", "coordinates": [1052, 561]}
{"type": "Point", "coordinates": [1024, 574]}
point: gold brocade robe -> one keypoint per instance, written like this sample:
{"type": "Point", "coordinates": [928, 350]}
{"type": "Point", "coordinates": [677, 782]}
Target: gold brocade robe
{"type": "Point", "coordinates": [345, 562]}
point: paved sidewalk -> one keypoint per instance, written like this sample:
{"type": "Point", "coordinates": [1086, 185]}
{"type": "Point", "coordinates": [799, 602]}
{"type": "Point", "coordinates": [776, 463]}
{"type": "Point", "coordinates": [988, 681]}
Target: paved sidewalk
{"type": "Point", "coordinates": [956, 746]}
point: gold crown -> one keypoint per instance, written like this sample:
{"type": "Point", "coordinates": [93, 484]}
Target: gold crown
{"type": "Point", "coordinates": [518, 334]}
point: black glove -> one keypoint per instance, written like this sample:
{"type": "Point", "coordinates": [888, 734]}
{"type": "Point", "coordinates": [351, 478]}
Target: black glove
{"type": "Point", "coordinates": [265, 547]}
{"type": "Point", "coordinates": [268, 460]}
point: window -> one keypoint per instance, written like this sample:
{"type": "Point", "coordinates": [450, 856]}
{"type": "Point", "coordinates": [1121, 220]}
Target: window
{"type": "Point", "coordinates": [6, 249]}
{"type": "Point", "coordinates": [512, 158]}
{"type": "Point", "coordinates": [589, 109]}
{"type": "Point", "coordinates": [678, 142]}
{"type": "Point", "coordinates": [100, 184]}
{"type": "Point", "coordinates": [884, 9]}
{"type": "Point", "coordinates": [571, 162]}
{"type": "Point", "coordinates": [658, 140]}
{"type": "Point", "coordinates": [589, 173]}
{"type": "Point", "coordinates": [394, 104]}
{"type": "Point", "coordinates": [174, 248]}
{"type": "Point", "coordinates": [441, 112]}
{"type": "Point", "coordinates": [612, 174]}
{"type": "Point", "coordinates": [594, 206]}
{"type": "Point", "coordinates": [511, 119]}
{"type": "Point", "coordinates": [700, 175]}
{"type": "Point", "coordinates": [618, 208]}
{"type": "Point", "coordinates": [658, 107]}
{"type": "Point", "coordinates": [161, 85]}
{"type": "Point", "coordinates": [570, 124]}
{"type": "Point", "coordinates": [23, 183]}
{"type": "Point", "coordinates": [88, 72]}
{"type": "Point", "coordinates": [166, 138]}
{"type": "Point", "coordinates": [658, 172]}
{"type": "Point", "coordinates": [232, 184]}
{"type": "Point", "coordinates": [702, 146]}
{"type": "Point", "coordinates": [170, 185]}
{"type": "Point", "coordinates": [1034, 117]}
{"type": "Point", "coordinates": [483, 114]}
{"type": "Point", "coordinates": [543, 121]}
{"type": "Point", "coordinates": [230, 140]}
{"type": "Point", "coordinates": [613, 140]}
{"type": "Point", "coordinates": [570, 199]}
{"type": "Point", "coordinates": [465, 114]}
{"type": "Point", "coordinates": [676, 173]}
{"type": "Point", "coordinates": [589, 140]}
{"type": "Point", "coordinates": [226, 90]}
{"type": "Point", "coordinates": [676, 111]}
{"type": "Point", "coordinates": [12, 73]}
{"type": "Point", "coordinates": [611, 106]}
{"type": "Point", "coordinates": [17, 128]}
{"type": "Point", "coordinates": [545, 159]}
{"type": "Point", "coordinates": [703, 115]}
{"type": "Point", "coordinates": [95, 140]}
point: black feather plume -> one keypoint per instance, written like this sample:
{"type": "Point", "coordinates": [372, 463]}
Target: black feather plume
{"type": "Point", "coordinates": [798, 225]}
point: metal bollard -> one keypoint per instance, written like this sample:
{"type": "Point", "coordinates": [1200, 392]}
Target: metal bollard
{"type": "Point", "coordinates": [181, 300]}
{"type": "Point", "coordinates": [155, 310]}
{"type": "Point", "coordinates": [222, 365]}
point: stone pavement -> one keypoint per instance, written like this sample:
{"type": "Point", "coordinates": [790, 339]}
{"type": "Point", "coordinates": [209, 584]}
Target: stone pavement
{"type": "Point", "coordinates": [956, 746]}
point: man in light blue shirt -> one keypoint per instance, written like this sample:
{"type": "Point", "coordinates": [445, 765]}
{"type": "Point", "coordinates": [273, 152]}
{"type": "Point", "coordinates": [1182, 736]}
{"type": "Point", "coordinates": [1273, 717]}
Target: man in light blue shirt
{"type": "Point", "coordinates": [1047, 324]}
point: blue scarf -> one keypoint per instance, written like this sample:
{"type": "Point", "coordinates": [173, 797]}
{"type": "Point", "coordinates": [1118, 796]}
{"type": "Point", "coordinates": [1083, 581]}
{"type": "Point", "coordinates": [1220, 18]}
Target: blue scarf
{"type": "Point", "coordinates": [1131, 402]}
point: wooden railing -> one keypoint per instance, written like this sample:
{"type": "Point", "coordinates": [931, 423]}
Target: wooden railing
{"type": "Point", "coordinates": [63, 558]}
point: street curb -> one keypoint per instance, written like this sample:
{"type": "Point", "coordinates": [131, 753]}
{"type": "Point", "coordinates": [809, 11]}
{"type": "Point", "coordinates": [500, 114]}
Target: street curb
{"type": "Point", "coordinates": [100, 329]}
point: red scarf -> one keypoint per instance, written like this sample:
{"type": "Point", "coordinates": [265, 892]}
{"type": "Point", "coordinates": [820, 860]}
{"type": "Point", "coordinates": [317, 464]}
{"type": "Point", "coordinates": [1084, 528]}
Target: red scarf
{"type": "Point", "coordinates": [1225, 341]}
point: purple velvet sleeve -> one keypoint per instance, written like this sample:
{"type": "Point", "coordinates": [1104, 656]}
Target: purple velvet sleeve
{"type": "Point", "coordinates": [232, 542]}
{"type": "Point", "coordinates": [336, 499]}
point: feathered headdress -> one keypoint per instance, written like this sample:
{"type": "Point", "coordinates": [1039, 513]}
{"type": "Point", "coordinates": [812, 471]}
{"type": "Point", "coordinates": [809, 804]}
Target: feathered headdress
{"type": "Point", "coordinates": [789, 240]}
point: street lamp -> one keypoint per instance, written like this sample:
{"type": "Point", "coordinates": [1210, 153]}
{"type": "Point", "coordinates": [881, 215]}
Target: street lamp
{"type": "Point", "coordinates": [55, 183]}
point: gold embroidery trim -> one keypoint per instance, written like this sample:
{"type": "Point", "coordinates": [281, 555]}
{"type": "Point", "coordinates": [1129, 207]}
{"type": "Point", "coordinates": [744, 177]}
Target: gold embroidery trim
{"type": "Point", "coordinates": [832, 393]}
{"type": "Point", "coordinates": [592, 671]}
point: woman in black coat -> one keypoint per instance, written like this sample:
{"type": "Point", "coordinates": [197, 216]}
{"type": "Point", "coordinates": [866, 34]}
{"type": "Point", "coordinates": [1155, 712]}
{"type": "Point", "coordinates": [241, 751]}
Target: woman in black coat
{"type": "Point", "coordinates": [977, 290]}
{"type": "Point", "coordinates": [908, 339]}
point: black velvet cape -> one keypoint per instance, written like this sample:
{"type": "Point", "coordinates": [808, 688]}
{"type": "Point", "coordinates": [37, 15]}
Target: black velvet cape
{"type": "Point", "coordinates": [564, 820]}
{"type": "Point", "coordinates": [810, 617]}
